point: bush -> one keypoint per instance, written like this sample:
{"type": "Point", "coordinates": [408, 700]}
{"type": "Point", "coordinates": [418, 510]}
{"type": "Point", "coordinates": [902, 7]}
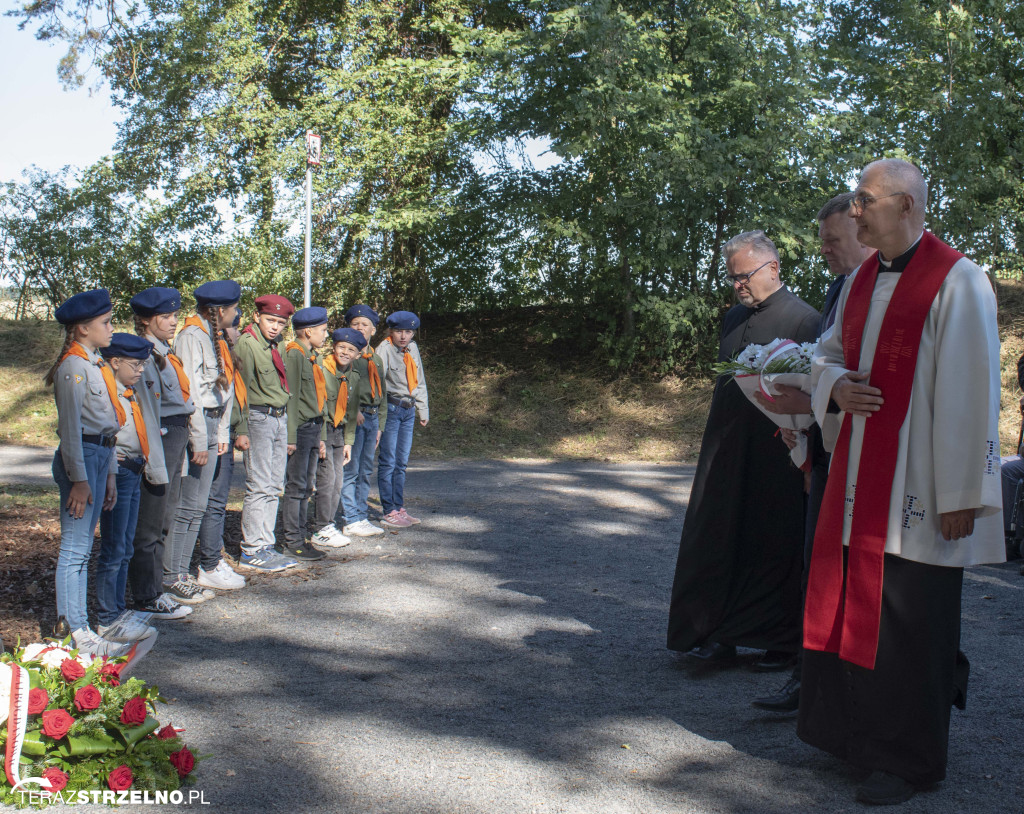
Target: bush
{"type": "Point", "coordinates": [670, 335]}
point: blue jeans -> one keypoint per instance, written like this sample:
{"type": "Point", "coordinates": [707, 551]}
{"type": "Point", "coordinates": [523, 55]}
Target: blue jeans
{"type": "Point", "coordinates": [76, 535]}
{"type": "Point", "coordinates": [188, 517]}
{"type": "Point", "coordinates": [356, 486]}
{"type": "Point", "coordinates": [211, 530]}
{"type": "Point", "coordinates": [395, 445]}
{"type": "Point", "coordinates": [117, 530]}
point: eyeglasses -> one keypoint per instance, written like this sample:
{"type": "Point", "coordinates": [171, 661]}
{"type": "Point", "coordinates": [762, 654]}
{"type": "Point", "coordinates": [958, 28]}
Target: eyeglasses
{"type": "Point", "coordinates": [743, 279]}
{"type": "Point", "coordinates": [134, 364]}
{"type": "Point", "coordinates": [862, 202]}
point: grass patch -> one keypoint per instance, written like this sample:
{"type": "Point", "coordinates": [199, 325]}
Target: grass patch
{"type": "Point", "coordinates": [44, 498]}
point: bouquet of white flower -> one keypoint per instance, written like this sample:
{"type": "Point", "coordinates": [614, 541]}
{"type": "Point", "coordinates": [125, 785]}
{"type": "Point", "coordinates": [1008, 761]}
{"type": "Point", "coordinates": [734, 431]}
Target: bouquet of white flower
{"type": "Point", "coordinates": [761, 368]}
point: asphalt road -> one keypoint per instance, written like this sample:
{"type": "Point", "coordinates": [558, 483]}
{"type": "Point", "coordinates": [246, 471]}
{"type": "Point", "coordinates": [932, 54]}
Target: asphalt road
{"type": "Point", "coordinates": [507, 655]}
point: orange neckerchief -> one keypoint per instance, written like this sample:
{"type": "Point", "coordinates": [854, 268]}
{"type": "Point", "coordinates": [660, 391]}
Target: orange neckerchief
{"type": "Point", "coordinates": [410, 366]}
{"type": "Point", "coordinates": [375, 386]}
{"type": "Point", "coordinates": [108, 378]}
{"type": "Point", "coordinates": [179, 370]}
{"type": "Point", "coordinates": [225, 351]}
{"type": "Point", "coordinates": [318, 374]}
{"type": "Point", "coordinates": [240, 392]}
{"type": "Point", "coordinates": [341, 405]}
{"type": "Point", "coordinates": [140, 424]}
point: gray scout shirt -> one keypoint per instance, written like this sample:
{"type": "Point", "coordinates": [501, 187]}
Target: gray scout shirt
{"type": "Point", "coordinates": [83, 408]}
{"type": "Point", "coordinates": [396, 380]}
{"type": "Point", "coordinates": [128, 443]}
{"type": "Point", "coordinates": [194, 347]}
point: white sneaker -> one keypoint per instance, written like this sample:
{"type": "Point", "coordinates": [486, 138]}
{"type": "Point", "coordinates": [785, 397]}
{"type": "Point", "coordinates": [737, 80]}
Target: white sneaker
{"type": "Point", "coordinates": [330, 537]}
{"type": "Point", "coordinates": [362, 528]}
{"type": "Point", "coordinates": [91, 644]}
{"type": "Point", "coordinates": [126, 628]}
{"type": "Point", "coordinates": [222, 578]}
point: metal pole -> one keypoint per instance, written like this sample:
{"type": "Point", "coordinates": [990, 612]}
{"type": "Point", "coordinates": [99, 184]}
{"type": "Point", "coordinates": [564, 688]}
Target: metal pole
{"type": "Point", "coordinates": [309, 231]}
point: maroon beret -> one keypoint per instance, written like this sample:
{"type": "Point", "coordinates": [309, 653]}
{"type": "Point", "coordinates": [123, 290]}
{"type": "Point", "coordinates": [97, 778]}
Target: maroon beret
{"type": "Point", "coordinates": [274, 304]}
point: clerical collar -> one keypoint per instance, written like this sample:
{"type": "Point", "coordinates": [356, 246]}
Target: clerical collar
{"type": "Point", "coordinates": [897, 264]}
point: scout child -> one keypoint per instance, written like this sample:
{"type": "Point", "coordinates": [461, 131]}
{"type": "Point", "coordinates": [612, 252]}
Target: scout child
{"type": "Point", "coordinates": [208, 568]}
{"type": "Point", "coordinates": [406, 396]}
{"type": "Point", "coordinates": [89, 416]}
{"type": "Point", "coordinates": [163, 391]}
{"type": "Point", "coordinates": [263, 432]}
{"type": "Point", "coordinates": [370, 421]}
{"type": "Point", "coordinates": [340, 417]}
{"type": "Point", "coordinates": [207, 362]}
{"type": "Point", "coordinates": [307, 395]}
{"type": "Point", "coordinates": [126, 354]}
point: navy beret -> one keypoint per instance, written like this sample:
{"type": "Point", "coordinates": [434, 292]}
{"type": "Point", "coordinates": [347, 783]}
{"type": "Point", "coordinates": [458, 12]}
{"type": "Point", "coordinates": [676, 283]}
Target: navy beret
{"type": "Point", "coordinates": [350, 335]}
{"type": "Point", "coordinates": [84, 306]}
{"type": "Point", "coordinates": [129, 346]}
{"type": "Point", "coordinates": [155, 301]}
{"type": "Point", "coordinates": [404, 321]}
{"type": "Point", "coordinates": [309, 317]}
{"type": "Point", "coordinates": [362, 311]}
{"type": "Point", "coordinates": [218, 293]}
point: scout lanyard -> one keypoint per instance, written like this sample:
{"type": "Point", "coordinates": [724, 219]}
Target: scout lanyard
{"type": "Point", "coordinates": [108, 379]}
{"type": "Point", "coordinates": [410, 367]}
{"type": "Point", "coordinates": [140, 424]}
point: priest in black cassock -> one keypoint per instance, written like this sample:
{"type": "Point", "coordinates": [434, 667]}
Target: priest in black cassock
{"type": "Point", "coordinates": [737, 578]}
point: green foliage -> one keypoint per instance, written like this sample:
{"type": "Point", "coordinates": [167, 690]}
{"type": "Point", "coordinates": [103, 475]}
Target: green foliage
{"type": "Point", "coordinates": [675, 124]}
{"type": "Point", "coordinates": [679, 334]}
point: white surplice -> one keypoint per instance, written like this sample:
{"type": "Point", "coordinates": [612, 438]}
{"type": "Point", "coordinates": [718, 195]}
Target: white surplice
{"type": "Point", "coordinates": [948, 455]}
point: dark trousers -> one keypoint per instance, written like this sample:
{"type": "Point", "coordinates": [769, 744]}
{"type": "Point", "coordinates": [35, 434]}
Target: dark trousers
{"type": "Point", "coordinates": [211, 530]}
{"type": "Point", "coordinates": [157, 505]}
{"type": "Point", "coordinates": [299, 480]}
{"type": "Point", "coordinates": [330, 474]}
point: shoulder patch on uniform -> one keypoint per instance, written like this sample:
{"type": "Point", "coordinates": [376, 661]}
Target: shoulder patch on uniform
{"type": "Point", "coordinates": [149, 384]}
{"type": "Point", "coordinates": [78, 379]}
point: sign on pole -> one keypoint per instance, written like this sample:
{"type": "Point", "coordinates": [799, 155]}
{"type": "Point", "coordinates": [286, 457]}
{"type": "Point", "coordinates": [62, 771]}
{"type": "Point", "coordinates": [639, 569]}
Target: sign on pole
{"type": "Point", "coordinates": [312, 160]}
{"type": "Point", "coordinates": [312, 148]}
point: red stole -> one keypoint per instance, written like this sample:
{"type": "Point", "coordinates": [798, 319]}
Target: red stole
{"type": "Point", "coordinates": [842, 612]}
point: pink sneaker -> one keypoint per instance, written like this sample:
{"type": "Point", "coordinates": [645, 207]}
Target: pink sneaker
{"type": "Point", "coordinates": [395, 520]}
{"type": "Point", "coordinates": [412, 520]}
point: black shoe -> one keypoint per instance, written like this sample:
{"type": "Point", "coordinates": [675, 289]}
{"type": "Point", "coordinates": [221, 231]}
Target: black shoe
{"type": "Point", "coordinates": [785, 700]}
{"type": "Point", "coordinates": [773, 661]}
{"type": "Point", "coordinates": [884, 789]}
{"type": "Point", "coordinates": [306, 552]}
{"type": "Point", "coordinates": [713, 653]}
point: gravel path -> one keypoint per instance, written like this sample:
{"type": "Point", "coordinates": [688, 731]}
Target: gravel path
{"type": "Point", "coordinates": [507, 655]}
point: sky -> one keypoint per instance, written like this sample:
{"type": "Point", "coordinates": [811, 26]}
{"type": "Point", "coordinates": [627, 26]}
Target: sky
{"type": "Point", "coordinates": [42, 123]}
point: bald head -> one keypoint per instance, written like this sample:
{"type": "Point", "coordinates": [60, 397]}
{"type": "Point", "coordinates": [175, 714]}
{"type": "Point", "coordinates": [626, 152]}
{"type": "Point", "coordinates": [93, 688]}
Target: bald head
{"type": "Point", "coordinates": [898, 175]}
{"type": "Point", "coordinates": [889, 205]}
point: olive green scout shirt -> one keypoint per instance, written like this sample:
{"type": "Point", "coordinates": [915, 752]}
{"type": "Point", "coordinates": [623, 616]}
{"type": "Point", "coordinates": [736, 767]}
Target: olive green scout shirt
{"type": "Point", "coordinates": [334, 381]}
{"type": "Point", "coordinates": [262, 383]}
{"type": "Point", "coordinates": [302, 403]}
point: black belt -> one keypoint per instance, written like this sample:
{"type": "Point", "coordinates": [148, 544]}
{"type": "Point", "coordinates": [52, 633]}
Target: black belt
{"type": "Point", "coordinates": [180, 420]}
{"type": "Point", "coordinates": [369, 409]}
{"type": "Point", "coordinates": [276, 412]}
{"type": "Point", "coordinates": [135, 465]}
{"type": "Point", "coordinates": [318, 420]}
{"type": "Point", "coordinates": [403, 401]}
{"type": "Point", "coordinates": [213, 412]}
{"type": "Point", "coordinates": [101, 440]}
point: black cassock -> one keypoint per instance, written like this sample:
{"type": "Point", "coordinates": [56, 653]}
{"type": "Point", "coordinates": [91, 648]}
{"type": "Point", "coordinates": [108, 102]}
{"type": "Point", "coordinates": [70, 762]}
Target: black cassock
{"type": "Point", "coordinates": [740, 558]}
